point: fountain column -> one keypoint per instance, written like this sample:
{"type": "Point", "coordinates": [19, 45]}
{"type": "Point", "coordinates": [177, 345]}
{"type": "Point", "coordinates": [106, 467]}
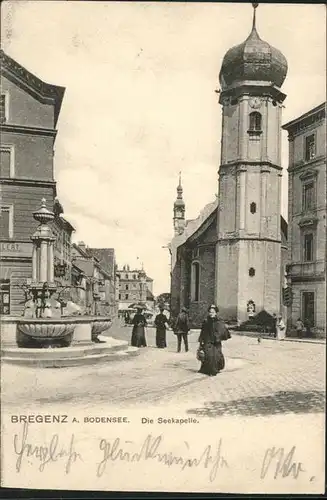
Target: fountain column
{"type": "Point", "coordinates": [34, 263]}
{"type": "Point", "coordinates": [50, 263]}
{"type": "Point", "coordinates": [44, 261]}
{"type": "Point", "coordinates": [42, 257]}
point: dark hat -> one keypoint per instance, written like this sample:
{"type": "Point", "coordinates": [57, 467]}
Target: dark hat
{"type": "Point", "coordinates": [213, 307]}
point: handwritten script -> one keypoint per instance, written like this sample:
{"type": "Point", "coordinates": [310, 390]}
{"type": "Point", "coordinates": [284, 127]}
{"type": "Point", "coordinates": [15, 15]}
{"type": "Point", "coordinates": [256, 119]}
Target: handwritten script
{"type": "Point", "coordinates": [277, 462]}
{"type": "Point", "coordinates": [45, 454]}
{"type": "Point", "coordinates": [117, 450]}
{"type": "Point", "coordinates": [281, 463]}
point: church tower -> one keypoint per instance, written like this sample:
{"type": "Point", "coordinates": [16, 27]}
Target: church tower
{"type": "Point", "coordinates": [179, 210]}
{"type": "Point", "coordinates": [249, 212]}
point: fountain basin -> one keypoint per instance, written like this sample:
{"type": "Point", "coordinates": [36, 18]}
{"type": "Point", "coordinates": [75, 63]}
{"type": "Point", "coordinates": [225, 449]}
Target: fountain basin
{"type": "Point", "coordinates": [48, 329]}
{"type": "Point", "coordinates": [45, 332]}
{"type": "Point", "coordinates": [98, 327]}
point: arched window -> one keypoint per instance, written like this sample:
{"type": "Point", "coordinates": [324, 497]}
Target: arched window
{"type": "Point", "coordinates": [255, 122]}
{"type": "Point", "coordinates": [251, 272]}
{"type": "Point", "coordinates": [253, 207]}
{"type": "Point", "coordinates": [195, 282]}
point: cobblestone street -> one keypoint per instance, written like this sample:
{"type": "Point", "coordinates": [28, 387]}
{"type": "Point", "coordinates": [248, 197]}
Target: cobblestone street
{"type": "Point", "coordinates": [259, 379]}
{"type": "Point", "coordinates": [266, 396]}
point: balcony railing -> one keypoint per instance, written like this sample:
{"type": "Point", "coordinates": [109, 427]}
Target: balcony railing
{"type": "Point", "coordinates": [316, 268]}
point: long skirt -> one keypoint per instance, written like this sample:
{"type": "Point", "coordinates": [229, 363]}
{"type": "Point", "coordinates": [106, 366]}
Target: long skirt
{"type": "Point", "coordinates": [161, 338]}
{"type": "Point", "coordinates": [214, 360]}
{"type": "Point", "coordinates": [281, 333]}
{"type": "Point", "coordinates": [138, 336]}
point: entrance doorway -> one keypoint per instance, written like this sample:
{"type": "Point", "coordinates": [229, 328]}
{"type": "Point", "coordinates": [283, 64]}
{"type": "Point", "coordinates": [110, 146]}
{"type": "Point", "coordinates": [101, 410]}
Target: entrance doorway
{"type": "Point", "coordinates": [308, 308]}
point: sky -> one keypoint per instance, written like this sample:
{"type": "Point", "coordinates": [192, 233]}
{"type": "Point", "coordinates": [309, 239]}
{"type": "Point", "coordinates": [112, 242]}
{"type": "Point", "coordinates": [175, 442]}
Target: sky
{"type": "Point", "coordinates": [140, 106]}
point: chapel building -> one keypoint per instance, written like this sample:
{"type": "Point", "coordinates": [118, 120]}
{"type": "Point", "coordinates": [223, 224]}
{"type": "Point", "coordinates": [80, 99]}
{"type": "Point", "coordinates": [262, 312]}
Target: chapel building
{"type": "Point", "coordinates": [234, 253]}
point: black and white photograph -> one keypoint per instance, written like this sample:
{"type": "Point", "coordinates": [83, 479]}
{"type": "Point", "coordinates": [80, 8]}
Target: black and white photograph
{"type": "Point", "coordinates": [163, 246]}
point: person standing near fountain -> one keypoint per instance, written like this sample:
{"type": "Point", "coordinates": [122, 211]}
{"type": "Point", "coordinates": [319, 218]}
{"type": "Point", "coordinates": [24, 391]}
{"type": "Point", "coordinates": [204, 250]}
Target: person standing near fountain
{"type": "Point", "coordinates": [138, 332]}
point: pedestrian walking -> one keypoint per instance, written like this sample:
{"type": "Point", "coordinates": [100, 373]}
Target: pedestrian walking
{"type": "Point", "coordinates": [161, 324]}
{"type": "Point", "coordinates": [280, 328]}
{"type": "Point", "coordinates": [138, 332]}
{"type": "Point", "coordinates": [213, 332]}
{"type": "Point", "coordinates": [299, 328]}
{"type": "Point", "coordinates": [181, 329]}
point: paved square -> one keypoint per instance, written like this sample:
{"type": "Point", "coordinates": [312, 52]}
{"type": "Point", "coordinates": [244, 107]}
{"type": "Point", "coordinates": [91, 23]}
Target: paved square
{"type": "Point", "coordinates": [259, 379]}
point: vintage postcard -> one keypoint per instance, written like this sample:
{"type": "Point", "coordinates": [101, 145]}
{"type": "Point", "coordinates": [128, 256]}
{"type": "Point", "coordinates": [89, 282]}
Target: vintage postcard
{"type": "Point", "coordinates": [163, 246]}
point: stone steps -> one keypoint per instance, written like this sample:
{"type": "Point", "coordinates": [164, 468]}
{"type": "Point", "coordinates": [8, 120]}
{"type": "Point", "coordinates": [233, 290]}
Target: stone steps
{"type": "Point", "coordinates": [109, 345]}
{"type": "Point", "coordinates": [82, 358]}
{"type": "Point", "coordinates": [108, 349]}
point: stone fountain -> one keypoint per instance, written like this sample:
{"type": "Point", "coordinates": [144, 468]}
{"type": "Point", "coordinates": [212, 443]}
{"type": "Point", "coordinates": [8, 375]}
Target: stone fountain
{"type": "Point", "coordinates": [24, 339]}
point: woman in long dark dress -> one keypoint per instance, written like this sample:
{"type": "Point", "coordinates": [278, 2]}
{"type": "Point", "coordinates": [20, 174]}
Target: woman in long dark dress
{"type": "Point", "coordinates": [161, 326]}
{"type": "Point", "coordinates": [138, 332]}
{"type": "Point", "coordinates": [213, 332]}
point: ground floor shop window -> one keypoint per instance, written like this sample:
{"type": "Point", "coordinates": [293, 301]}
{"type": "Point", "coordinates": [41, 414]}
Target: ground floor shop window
{"type": "Point", "coordinates": [308, 308]}
{"type": "Point", "coordinates": [4, 296]}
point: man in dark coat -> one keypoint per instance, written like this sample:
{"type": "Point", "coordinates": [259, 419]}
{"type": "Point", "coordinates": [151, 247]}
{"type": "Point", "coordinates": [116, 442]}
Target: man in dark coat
{"type": "Point", "coordinates": [181, 329]}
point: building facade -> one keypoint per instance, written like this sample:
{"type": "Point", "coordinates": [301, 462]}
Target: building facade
{"type": "Point", "coordinates": [107, 262]}
{"type": "Point", "coordinates": [93, 279]}
{"type": "Point", "coordinates": [307, 219]}
{"type": "Point", "coordinates": [29, 114]}
{"type": "Point", "coordinates": [134, 286]}
{"type": "Point", "coordinates": [62, 230]}
{"type": "Point", "coordinates": [233, 253]}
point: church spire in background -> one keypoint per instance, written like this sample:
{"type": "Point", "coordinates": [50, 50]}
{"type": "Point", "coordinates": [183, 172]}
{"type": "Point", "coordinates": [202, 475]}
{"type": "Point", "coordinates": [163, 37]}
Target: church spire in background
{"type": "Point", "coordinates": [179, 209]}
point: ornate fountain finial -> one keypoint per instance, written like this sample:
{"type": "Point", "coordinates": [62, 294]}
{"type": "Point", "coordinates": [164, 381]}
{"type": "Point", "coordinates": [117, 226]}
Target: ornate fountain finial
{"type": "Point", "coordinates": [43, 215]}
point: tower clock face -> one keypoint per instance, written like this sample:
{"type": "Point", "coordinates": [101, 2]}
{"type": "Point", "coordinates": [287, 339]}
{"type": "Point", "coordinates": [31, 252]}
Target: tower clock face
{"type": "Point", "coordinates": [255, 102]}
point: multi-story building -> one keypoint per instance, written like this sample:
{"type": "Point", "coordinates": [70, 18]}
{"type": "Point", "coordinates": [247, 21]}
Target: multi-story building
{"type": "Point", "coordinates": [93, 279]}
{"type": "Point", "coordinates": [107, 261]}
{"type": "Point", "coordinates": [29, 110]}
{"type": "Point", "coordinates": [62, 230]}
{"type": "Point", "coordinates": [134, 286]}
{"type": "Point", "coordinates": [307, 218]}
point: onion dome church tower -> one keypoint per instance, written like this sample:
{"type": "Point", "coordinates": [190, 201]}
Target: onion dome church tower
{"type": "Point", "coordinates": [179, 210]}
{"type": "Point", "coordinates": [249, 213]}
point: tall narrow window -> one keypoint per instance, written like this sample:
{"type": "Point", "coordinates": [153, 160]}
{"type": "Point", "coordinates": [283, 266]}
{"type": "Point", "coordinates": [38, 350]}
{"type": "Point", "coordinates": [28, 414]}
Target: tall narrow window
{"type": "Point", "coordinates": [7, 161]}
{"type": "Point", "coordinates": [195, 281]}
{"type": "Point", "coordinates": [6, 222]}
{"type": "Point", "coordinates": [310, 147]}
{"type": "Point", "coordinates": [4, 296]}
{"type": "Point", "coordinates": [308, 247]}
{"type": "Point", "coordinates": [308, 196]}
{"type": "Point", "coordinates": [308, 308]}
{"type": "Point", "coordinates": [255, 122]}
{"type": "Point", "coordinates": [253, 207]}
{"type": "Point", "coordinates": [3, 108]}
